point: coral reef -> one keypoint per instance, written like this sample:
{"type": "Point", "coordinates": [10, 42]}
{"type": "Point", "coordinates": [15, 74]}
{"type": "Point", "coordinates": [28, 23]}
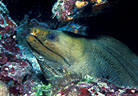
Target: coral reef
{"type": "Point", "coordinates": [69, 11]}
{"type": "Point", "coordinates": [66, 10]}
{"type": "Point", "coordinates": [74, 28]}
{"type": "Point", "coordinates": [13, 70]}
{"type": "Point", "coordinates": [3, 89]}
{"type": "Point", "coordinates": [94, 87]}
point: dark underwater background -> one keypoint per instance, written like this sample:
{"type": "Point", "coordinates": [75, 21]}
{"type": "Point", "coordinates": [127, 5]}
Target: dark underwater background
{"type": "Point", "coordinates": [119, 20]}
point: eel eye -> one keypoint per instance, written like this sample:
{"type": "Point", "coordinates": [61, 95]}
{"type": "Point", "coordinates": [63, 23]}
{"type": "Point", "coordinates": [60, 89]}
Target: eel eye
{"type": "Point", "coordinates": [34, 32]}
{"type": "Point", "coordinates": [51, 37]}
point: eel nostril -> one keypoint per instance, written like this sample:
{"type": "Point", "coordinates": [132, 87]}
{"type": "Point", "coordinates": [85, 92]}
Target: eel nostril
{"type": "Point", "coordinates": [34, 32]}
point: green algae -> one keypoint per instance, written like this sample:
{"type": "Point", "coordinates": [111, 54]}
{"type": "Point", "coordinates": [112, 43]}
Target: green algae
{"type": "Point", "coordinates": [43, 90]}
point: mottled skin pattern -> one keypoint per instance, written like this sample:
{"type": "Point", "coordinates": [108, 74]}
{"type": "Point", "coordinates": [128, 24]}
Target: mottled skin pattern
{"type": "Point", "coordinates": [59, 53]}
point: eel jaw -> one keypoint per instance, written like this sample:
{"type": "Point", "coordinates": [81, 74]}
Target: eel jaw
{"type": "Point", "coordinates": [48, 71]}
{"type": "Point", "coordinates": [31, 38]}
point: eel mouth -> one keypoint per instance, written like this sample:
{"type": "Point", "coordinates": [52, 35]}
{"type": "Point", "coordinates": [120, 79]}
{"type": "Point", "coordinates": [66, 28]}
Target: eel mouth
{"type": "Point", "coordinates": [48, 67]}
{"type": "Point", "coordinates": [47, 48]}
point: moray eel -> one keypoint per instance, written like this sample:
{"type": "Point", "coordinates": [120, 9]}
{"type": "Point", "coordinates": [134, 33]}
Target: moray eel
{"type": "Point", "coordinates": [59, 53]}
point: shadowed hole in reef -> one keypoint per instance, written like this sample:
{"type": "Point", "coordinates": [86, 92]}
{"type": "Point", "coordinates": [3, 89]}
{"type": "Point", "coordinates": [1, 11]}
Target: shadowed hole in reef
{"type": "Point", "coordinates": [107, 77]}
{"type": "Point", "coordinates": [26, 77]}
{"type": "Point", "coordinates": [42, 78]}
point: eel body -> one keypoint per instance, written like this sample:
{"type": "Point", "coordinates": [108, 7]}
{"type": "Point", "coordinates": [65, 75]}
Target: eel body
{"type": "Point", "coordinates": [59, 53]}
